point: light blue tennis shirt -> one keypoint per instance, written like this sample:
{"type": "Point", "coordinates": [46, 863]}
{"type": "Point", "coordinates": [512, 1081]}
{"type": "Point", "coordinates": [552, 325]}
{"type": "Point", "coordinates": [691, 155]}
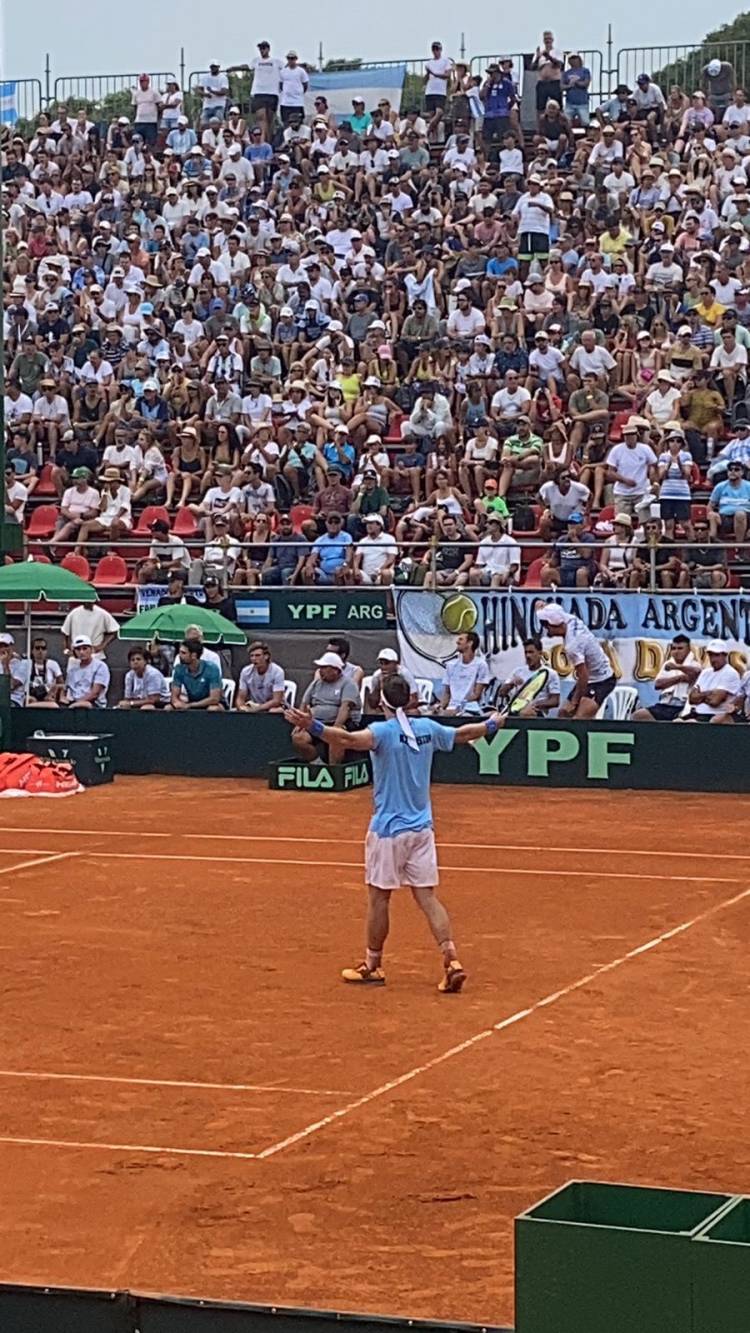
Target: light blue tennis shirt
{"type": "Point", "coordinates": [401, 775]}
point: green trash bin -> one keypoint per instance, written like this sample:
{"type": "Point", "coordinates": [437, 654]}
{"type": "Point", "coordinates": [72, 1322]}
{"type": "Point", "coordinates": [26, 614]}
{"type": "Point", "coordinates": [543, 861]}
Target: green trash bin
{"type": "Point", "coordinates": [721, 1272]}
{"type": "Point", "coordinates": [605, 1258]}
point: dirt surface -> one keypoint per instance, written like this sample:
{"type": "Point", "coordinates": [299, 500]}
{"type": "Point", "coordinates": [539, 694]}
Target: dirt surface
{"type": "Point", "coordinates": [193, 933]}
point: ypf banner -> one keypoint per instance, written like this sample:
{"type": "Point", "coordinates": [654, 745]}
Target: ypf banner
{"type": "Point", "coordinates": [636, 629]}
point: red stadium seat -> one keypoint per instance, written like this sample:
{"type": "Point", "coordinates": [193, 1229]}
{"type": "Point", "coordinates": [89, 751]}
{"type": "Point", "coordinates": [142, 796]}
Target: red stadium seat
{"type": "Point", "coordinates": [185, 525]}
{"type": "Point", "coordinates": [300, 514]}
{"type": "Point", "coordinates": [111, 572]}
{"type": "Point", "coordinates": [533, 579]}
{"type": "Point", "coordinates": [42, 521]}
{"type": "Point", "coordinates": [77, 564]}
{"type": "Point", "coordinates": [45, 485]}
{"type": "Point", "coordinates": [149, 515]}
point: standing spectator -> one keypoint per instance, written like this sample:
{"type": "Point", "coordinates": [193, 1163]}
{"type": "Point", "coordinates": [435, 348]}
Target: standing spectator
{"type": "Point", "coordinates": [631, 467]}
{"type": "Point", "coordinates": [214, 92]}
{"type": "Point", "coordinates": [147, 103]}
{"type": "Point", "coordinates": [294, 82]}
{"type": "Point", "coordinates": [91, 622]}
{"type": "Point", "coordinates": [437, 76]}
{"type": "Point", "coordinates": [576, 81]}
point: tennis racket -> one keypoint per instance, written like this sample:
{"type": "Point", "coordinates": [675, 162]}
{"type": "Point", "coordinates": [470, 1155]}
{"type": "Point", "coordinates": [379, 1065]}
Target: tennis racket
{"type": "Point", "coordinates": [528, 692]}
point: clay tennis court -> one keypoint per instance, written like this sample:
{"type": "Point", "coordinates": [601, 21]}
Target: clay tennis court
{"type": "Point", "coordinates": [191, 1102]}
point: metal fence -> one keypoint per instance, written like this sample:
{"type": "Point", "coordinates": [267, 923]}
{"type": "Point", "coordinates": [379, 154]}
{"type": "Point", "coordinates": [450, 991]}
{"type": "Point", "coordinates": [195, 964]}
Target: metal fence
{"type": "Point", "coordinates": [593, 60]}
{"type": "Point", "coordinates": [95, 89]}
{"type": "Point", "coordinates": [682, 64]}
{"type": "Point", "coordinates": [27, 100]}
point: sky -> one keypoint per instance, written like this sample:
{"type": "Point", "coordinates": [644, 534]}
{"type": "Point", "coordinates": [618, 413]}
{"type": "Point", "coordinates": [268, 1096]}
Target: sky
{"type": "Point", "coordinates": [130, 39]}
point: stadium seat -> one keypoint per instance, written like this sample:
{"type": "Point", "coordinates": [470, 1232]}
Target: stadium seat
{"type": "Point", "coordinates": [425, 691]}
{"type": "Point", "coordinates": [185, 525]}
{"type": "Point", "coordinates": [43, 521]}
{"type": "Point", "coordinates": [45, 485]}
{"type": "Point", "coordinates": [533, 573]}
{"type": "Point", "coordinates": [606, 514]}
{"type": "Point", "coordinates": [300, 514]}
{"type": "Point", "coordinates": [228, 688]}
{"type": "Point", "coordinates": [394, 429]}
{"type": "Point", "coordinates": [149, 516]}
{"type": "Point", "coordinates": [111, 572]}
{"type": "Point", "coordinates": [290, 693]}
{"type": "Point", "coordinates": [77, 564]}
{"type": "Point", "coordinates": [364, 689]}
{"type": "Point", "coordinates": [698, 513]}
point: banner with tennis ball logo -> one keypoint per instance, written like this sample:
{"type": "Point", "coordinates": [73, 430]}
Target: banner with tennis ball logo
{"type": "Point", "coordinates": [635, 629]}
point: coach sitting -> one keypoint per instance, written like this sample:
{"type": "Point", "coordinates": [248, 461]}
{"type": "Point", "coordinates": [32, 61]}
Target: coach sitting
{"type": "Point", "coordinates": [196, 682]}
{"type": "Point", "coordinates": [333, 700]}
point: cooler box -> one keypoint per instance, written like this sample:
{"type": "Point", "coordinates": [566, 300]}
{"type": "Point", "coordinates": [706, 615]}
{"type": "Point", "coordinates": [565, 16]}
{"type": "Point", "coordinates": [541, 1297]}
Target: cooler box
{"type": "Point", "coordinates": [599, 1258]}
{"type": "Point", "coordinates": [91, 756]}
{"type": "Point", "coordinates": [721, 1272]}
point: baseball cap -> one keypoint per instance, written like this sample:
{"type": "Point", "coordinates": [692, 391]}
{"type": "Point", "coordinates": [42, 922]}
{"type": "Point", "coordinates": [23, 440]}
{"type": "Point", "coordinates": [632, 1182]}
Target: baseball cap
{"type": "Point", "coordinates": [82, 641]}
{"type": "Point", "coordinates": [330, 660]}
{"type": "Point", "coordinates": [575, 517]}
{"type": "Point", "coordinates": [387, 655]}
{"type": "Point", "coordinates": [716, 646]}
{"type": "Point", "coordinates": [551, 614]}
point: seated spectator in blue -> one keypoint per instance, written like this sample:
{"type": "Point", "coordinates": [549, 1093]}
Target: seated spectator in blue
{"type": "Point", "coordinates": [182, 138]}
{"type": "Point", "coordinates": [502, 262]}
{"type": "Point", "coordinates": [145, 686]}
{"type": "Point", "coordinates": [339, 454]}
{"type": "Point", "coordinates": [258, 152]}
{"type": "Point", "coordinates": [195, 683]}
{"type": "Point", "coordinates": [729, 505]}
{"type": "Point", "coordinates": [330, 560]}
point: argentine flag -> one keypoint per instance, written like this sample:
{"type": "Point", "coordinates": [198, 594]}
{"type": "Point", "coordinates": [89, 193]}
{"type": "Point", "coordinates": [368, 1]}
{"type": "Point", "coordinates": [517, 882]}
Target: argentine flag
{"type": "Point", "coordinates": [8, 107]}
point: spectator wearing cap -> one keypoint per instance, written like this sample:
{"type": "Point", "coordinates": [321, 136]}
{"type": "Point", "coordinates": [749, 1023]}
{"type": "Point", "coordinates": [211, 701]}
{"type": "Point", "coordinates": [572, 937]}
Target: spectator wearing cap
{"type": "Point", "coordinates": [388, 664]}
{"type": "Point", "coordinates": [50, 416]}
{"type": "Point", "coordinates": [631, 468]}
{"type": "Point", "coordinates": [675, 466]}
{"type": "Point", "coordinates": [167, 553]}
{"type": "Point", "coordinates": [115, 518]}
{"type": "Point", "coordinates": [293, 82]}
{"type": "Point", "coordinates": [498, 557]}
{"type": "Point", "coordinates": [333, 700]}
{"type": "Point", "coordinates": [86, 676]}
{"type": "Point", "coordinates": [375, 555]}
{"type": "Point", "coordinates": [729, 505]}
{"type": "Point", "coordinates": [571, 562]}
{"type": "Point", "coordinates": [663, 403]}
{"type": "Point", "coordinates": [330, 558]}
{"type": "Point", "coordinates": [711, 698]}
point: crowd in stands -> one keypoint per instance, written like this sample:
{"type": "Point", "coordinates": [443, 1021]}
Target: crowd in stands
{"type": "Point", "coordinates": [422, 345]}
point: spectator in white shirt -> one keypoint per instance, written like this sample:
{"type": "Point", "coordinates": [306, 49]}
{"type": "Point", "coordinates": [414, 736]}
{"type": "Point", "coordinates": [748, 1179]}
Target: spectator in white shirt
{"type": "Point", "coordinates": [498, 557]}
{"type": "Point", "coordinates": [712, 697]}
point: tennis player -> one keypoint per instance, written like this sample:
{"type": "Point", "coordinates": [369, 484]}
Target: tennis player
{"type": "Point", "coordinates": [400, 847]}
{"type": "Point", "coordinates": [594, 677]}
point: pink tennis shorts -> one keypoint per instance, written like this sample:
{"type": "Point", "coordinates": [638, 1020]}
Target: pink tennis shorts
{"type": "Point", "coordinates": [409, 860]}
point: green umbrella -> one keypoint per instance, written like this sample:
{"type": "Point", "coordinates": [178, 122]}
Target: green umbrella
{"type": "Point", "coordinates": [169, 623]}
{"type": "Point", "coordinates": [30, 581]}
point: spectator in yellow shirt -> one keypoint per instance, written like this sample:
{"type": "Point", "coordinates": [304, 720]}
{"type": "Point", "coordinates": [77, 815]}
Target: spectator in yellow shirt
{"type": "Point", "coordinates": [708, 309]}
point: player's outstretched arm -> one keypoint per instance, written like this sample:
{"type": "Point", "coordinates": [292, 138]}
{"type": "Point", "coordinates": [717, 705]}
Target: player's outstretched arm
{"type": "Point", "coordinates": [476, 731]}
{"type": "Point", "coordinates": [303, 719]}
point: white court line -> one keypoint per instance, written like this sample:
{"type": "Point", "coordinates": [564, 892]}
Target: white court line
{"type": "Point", "coordinates": [172, 1083]}
{"type": "Point", "coordinates": [469, 846]}
{"type": "Point", "coordinates": [540, 872]}
{"type": "Point", "coordinates": [498, 1027]}
{"type": "Point", "coordinates": [40, 861]}
{"type": "Point", "coordinates": [127, 1147]}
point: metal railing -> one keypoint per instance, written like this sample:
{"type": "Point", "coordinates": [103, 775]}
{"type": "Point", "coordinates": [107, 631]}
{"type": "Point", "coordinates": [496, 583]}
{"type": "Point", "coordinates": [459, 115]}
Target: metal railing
{"type": "Point", "coordinates": [682, 63]}
{"type": "Point", "coordinates": [423, 558]}
{"type": "Point", "coordinates": [593, 60]}
{"type": "Point", "coordinates": [105, 93]}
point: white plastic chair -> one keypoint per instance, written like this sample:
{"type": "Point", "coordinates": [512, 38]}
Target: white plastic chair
{"type": "Point", "coordinates": [425, 690]}
{"type": "Point", "coordinates": [228, 688]}
{"type": "Point", "coordinates": [619, 704]}
{"type": "Point", "coordinates": [364, 689]}
{"type": "Point", "coordinates": [290, 693]}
